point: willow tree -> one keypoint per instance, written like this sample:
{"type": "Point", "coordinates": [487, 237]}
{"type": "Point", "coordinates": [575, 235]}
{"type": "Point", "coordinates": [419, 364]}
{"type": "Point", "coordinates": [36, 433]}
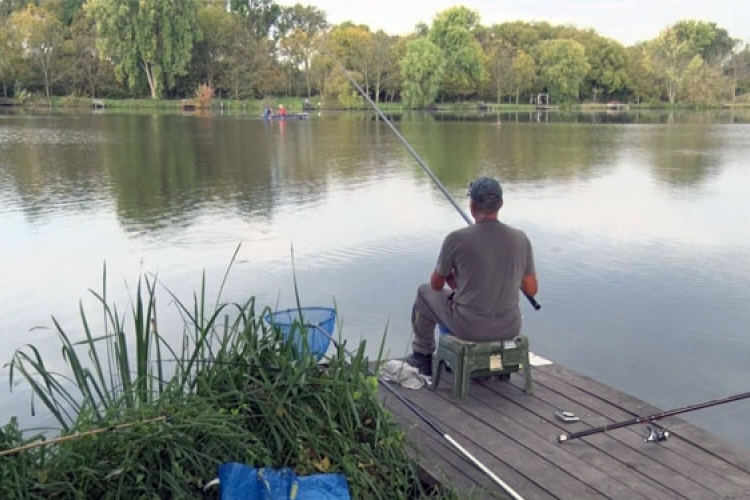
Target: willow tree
{"type": "Point", "coordinates": [150, 37]}
{"type": "Point", "coordinates": [452, 32]}
{"type": "Point", "coordinates": [422, 73]}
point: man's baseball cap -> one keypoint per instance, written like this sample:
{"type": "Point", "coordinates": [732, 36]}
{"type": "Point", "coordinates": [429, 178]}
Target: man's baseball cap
{"type": "Point", "coordinates": [486, 192]}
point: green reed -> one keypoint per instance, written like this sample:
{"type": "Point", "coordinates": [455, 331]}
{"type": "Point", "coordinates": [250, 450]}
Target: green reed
{"type": "Point", "coordinates": [234, 390]}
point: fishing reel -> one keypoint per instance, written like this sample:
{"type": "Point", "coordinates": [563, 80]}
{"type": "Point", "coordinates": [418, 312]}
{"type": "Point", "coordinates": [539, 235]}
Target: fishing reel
{"type": "Point", "coordinates": [656, 434]}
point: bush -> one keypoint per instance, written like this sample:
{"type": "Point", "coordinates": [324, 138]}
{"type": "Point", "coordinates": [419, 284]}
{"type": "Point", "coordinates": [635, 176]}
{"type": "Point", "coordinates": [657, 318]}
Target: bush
{"type": "Point", "coordinates": [203, 96]}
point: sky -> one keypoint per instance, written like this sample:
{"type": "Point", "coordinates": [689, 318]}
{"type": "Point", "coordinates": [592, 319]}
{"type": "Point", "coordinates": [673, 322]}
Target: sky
{"type": "Point", "coordinates": [627, 21]}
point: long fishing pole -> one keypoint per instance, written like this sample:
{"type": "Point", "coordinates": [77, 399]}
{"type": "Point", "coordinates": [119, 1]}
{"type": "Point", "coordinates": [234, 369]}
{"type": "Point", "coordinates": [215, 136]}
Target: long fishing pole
{"type": "Point", "coordinates": [431, 423]}
{"type": "Point", "coordinates": [652, 418]}
{"type": "Point", "coordinates": [416, 156]}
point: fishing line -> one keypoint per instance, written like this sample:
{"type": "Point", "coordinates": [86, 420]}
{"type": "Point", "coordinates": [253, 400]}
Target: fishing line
{"type": "Point", "coordinates": [416, 156]}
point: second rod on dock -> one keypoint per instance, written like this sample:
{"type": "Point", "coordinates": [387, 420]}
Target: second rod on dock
{"type": "Point", "coordinates": [651, 418]}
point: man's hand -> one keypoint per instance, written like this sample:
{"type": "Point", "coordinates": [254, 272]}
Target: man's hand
{"type": "Point", "coordinates": [451, 280]}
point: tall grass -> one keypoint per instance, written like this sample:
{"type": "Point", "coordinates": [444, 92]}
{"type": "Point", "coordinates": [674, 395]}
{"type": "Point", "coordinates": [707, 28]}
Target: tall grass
{"type": "Point", "coordinates": [234, 390]}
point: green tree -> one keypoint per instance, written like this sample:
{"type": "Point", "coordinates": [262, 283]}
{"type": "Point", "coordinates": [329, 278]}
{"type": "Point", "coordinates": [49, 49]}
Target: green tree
{"type": "Point", "coordinates": [339, 91]}
{"type": "Point", "coordinates": [500, 67]}
{"type": "Point", "coordinates": [671, 57]}
{"type": "Point", "coordinates": [262, 17]}
{"type": "Point", "coordinates": [451, 32]}
{"type": "Point", "coordinates": [13, 68]}
{"type": "Point", "coordinates": [642, 82]}
{"type": "Point", "coordinates": [296, 49]}
{"type": "Point", "coordinates": [90, 71]}
{"type": "Point", "coordinates": [379, 61]}
{"type": "Point", "coordinates": [42, 37]}
{"type": "Point", "coordinates": [393, 79]}
{"type": "Point", "coordinates": [563, 66]}
{"type": "Point", "coordinates": [154, 38]}
{"type": "Point", "coordinates": [609, 62]}
{"type": "Point", "coordinates": [251, 69]}
{"type": "Point", "coordinates": [5, 52]}
{"type": "Point", "coordinates": [704, 39]}
{"type": "Point", "coordinates": [422, 73]}
{"type": "Point", "coordinates": [66, 10]}
{"type": "Point", "coordinates": [523, 71]}
{"type": "Point", "coordinates": [705, 83]}
{"type": "Point", "coordinates": [351, 44]}
{"type": "Point", "coordinates": [218, 28]}
{"type": "Point", "coordinates": [307, 18]}
{"type": "Point", "coordinates": [8, 7]}
{"type": "Point", "coordinates": [679, 50]}
{"type": "Point", "coordinates": [518, 34]}
{"type": "Point", "coordinates": [738, 70]}
{"type": "Point", "coordinates": [302, 28]}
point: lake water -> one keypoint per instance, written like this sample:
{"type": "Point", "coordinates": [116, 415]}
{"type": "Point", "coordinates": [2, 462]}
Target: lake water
{"type": "Point", "coordinates": [640, 225]}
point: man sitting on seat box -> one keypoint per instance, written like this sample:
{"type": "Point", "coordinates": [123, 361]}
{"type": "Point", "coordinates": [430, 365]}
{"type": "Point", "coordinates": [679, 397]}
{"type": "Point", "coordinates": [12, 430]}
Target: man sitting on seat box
{"type": "Point", "coordinates": [484, 265]}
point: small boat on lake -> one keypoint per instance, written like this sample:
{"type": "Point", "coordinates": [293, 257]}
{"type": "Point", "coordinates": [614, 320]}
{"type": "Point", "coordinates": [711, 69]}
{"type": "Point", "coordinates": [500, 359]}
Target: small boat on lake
{"type": "Point", "coordinates": [288, 116]}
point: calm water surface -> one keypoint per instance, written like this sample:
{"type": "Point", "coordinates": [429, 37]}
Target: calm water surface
{"type": "Point", "coordinates": [639, 223]}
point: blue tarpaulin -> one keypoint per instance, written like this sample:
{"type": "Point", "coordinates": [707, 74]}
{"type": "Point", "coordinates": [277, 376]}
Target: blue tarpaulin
{"type": "Point", "coordinates": [242, 482]}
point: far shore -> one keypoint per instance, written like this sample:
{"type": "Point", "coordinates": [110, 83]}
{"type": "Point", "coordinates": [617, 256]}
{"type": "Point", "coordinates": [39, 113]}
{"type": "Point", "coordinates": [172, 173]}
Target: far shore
{"type": "Point", "coordinates": [296, 104]}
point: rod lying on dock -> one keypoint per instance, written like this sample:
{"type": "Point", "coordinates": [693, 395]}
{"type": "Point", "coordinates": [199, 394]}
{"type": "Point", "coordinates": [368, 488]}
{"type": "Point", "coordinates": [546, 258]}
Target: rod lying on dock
{"type": "Point", "coordinates": [651, 418]}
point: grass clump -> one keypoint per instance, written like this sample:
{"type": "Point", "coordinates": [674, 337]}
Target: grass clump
{"type": "Point", "coordinates": [140, 418]}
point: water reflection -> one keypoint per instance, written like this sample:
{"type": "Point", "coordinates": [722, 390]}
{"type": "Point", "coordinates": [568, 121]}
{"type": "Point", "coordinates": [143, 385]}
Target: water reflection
{"type": "Point", "coordinates": [162, 169]}
{"type": "Point", "coordinates": [627, 212]}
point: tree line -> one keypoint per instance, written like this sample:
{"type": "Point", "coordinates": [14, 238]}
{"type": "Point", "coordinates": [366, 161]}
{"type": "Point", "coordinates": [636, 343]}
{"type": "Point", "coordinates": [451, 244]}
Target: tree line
{"type": "Point", "coordinates": [241, 49]}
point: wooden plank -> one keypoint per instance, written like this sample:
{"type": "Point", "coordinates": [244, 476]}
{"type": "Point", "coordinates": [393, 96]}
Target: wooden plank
{"type": "Point", "coordinates": [702, 477]}
{"type": "Point", "coordinates": [445, 454]}
{"type": "Point", "coordinates": [498, 448]}
{"type": "Point", "coordinates": [442, 462]}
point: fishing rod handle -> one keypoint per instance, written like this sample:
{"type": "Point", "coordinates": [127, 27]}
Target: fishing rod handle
{"type": "Point", "coordinates": [532, 301]}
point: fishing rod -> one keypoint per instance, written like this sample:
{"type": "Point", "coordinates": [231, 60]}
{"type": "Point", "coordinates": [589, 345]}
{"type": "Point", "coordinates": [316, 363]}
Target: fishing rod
{"type": "Point", "coordinates": [431, 423]}
{"type": "Point", "coordinates": [661, 434]}
{"type": "Point", "coordinates": [416, 156]}
{"type": "Point", "coordinates": [79, 435]}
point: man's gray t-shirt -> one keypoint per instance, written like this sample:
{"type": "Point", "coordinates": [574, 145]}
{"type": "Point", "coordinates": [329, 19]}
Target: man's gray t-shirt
{"type": "Point", "coordinates": [489, 261]}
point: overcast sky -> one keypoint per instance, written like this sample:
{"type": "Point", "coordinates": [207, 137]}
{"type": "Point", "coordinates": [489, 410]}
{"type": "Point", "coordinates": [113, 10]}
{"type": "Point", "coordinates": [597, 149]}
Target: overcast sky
{"type": "Point", "coordinates": [628, 21]}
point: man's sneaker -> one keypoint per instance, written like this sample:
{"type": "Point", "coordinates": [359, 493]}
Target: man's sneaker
{"type": "Point", "coordinates": [422, 362]}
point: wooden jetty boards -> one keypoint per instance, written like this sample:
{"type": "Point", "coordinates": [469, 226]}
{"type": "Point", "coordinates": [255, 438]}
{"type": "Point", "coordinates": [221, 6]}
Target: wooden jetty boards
{"type": "Point", "coordinates": [516, 436]}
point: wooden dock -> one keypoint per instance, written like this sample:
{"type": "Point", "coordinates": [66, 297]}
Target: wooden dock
{"type": "Point", "coordinates": [515, 435]}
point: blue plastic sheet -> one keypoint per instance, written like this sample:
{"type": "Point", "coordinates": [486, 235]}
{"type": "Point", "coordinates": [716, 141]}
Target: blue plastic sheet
{"type": "Point", "coordinates": [242, 482]}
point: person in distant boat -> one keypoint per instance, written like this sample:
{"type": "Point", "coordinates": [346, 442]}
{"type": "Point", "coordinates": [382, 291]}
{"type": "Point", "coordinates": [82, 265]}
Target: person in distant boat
{"type": "Point", "coordinates": [267, 112]}
{"type": "Point", "coordinates": [483, 266]}
{"type": "Point", "coordinates": [282, 110]}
